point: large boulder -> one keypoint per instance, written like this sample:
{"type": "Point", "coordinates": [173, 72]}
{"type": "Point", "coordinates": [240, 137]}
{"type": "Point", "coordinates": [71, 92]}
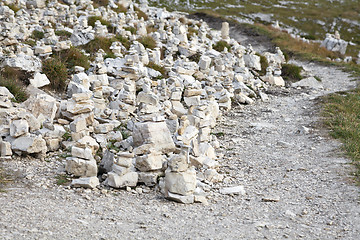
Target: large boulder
{"type": "Point", "coordinates": [42, 106]}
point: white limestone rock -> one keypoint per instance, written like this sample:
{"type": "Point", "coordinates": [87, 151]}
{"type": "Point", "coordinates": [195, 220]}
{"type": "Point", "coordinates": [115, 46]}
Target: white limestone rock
{"type": "Point", "coordinates": [150, 162]}
{"type": "Point", "coordinates": [183, 183]}
{"type": "Point", "coordinates": [81, 167]}
{"type": "Point", "coordinates": [18, 128]}
{"type": "Point", "coordinates": [86, 182]}
{"type": "Point", "coordinates": [39, 80]}
{"type": "Point", "coordinates": [5, 149]}
{"type": "Point", "coordinates": [29, 144]}
{"type": "Point", "coordinates": [127, 180]}
{"type": "Point", "coordinates": [154, 134]}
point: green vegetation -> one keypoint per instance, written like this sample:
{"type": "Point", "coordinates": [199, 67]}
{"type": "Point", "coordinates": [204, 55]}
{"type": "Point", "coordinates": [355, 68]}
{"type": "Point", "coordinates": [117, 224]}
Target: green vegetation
{"type": "Point", "coordinates": [13, 7]}
{"type": "Point", "coordinates": [57, 73]}
{"type": "Point", "coordinates": [67, 136]}
{"type": "Point", "coordinates": [148, 42]}
{"type": "Point", "coordinates": [100, 3]}
{"type": "Point", "coordinates": [63, 180]}
{"type": "Point", "coordinates": [104, 43]}
{"type": "Point", "coordinates": [195, 58]}
{"type": "Point", "coordinates": [141, 14]}
{"type": "Point", "coordinates": [63, 33]}
{"type": "Point", "coordinates": [291, 72]}
{"type": "Point", "coordinates": [313, 18]}
{"type": "Point", "coordinates": [37, 34]}
{"type": "Point", "coordinates": [5, 178]}
{"type": "Point", "coordinates": [158, 68]}
{"type": "Point", "coordinates": [74, 57]}
{"type": "Point", "coordinates": [264, 64]}
{"type": "Point", "coordinates": [92, 20]}
{"type": "Point", "coordinates": [120, 8]}
{"type": "Point", "coordinates": [130, 29]}
{"type": "Point", "coordinates": [221, 45]}
{"type": "Point", "coordinates": [15, 81]}
{"type": "Point", "coordinates": [342, 116]}
{"type": "Point", "coordinates": [191, 32]}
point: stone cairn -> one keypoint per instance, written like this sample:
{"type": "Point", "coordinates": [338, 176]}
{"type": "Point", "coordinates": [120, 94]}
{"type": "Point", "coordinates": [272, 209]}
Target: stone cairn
{"type": "Point", "coordinates": [125, 123]}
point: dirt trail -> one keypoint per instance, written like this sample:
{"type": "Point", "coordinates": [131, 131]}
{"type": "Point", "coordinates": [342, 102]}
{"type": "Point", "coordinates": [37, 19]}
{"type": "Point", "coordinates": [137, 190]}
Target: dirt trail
{"type": "Point", "coordinates": [296, 181]}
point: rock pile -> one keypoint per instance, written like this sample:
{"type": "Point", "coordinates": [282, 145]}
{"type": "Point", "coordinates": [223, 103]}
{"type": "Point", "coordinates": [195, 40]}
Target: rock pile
{"type": "Point", "coordinates": [142, 116]}
{"type": "Point", "coordinates": [334, 43]}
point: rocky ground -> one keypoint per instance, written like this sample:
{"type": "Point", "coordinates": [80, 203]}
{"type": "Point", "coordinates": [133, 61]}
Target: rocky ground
{"type": "Point", "coordinates": [297, 184]}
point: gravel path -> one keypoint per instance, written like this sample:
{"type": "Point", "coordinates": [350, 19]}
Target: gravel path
{"type": "Point", "coordinates": [297, 185]}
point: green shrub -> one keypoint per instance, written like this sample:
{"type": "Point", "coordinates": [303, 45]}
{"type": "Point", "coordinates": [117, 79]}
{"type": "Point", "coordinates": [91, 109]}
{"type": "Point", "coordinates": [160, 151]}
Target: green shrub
{"type": "Point", "coordinates": [148, 42]}
{"type": "Point", "coordinates": [37, 34]}
{"type": "Point", "coordinates": [74, 57]}
{"type": "Point", "coordinates": [291, 72]}
{"type": "Point", "coordinates": [57, 73]}
{"type": "Point", "coordinates": [220, 45]}
{"type": "Point", "coordinates": [97, 43]}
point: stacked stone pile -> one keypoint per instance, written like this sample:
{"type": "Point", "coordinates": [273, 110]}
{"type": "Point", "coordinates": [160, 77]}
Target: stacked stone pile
{"type": "Point", "coordinates": [123, 121]}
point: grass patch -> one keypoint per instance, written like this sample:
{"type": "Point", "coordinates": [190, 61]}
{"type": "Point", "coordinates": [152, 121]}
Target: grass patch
{"type": "Point", "coordinates": [221, 45]}
{"type": "Point", "coordinates": [291, 72]}
{"type": "Point", "coordinates": [74, 57]}
{"type": "Point", "coordinates": [191, 32]}
{"type": "Point", "coordinates": [100, 3]}
{"type": "Point", "coordinates": [63, 34]}
{"type": "Point", "coordinates": [342, 116]}
{"type": "Point", "coordinates": [120, 8]}
{"type": "Point", "coordinates": [92, 20]}
{"type": "Point", "coordinates": [141, 14]}
{"type": "Point", "coordinates": [158, 68]}
{"type": "Point", "coordinates": [5, 178]}
{"type": "Point", "coordinates": [15, 81]}
{"type": "Point", "coordinates": [195, 58]}
{"type": "Point", "coordinates": [130, 29]}
{"type": "Point", "coordinates": [63, 180]}
{"type": "Point", "coordinates": [13, 7]}
{"type": "Point", "coordinates": [264, 64]}
{"type": "Point", "coordinates": [57, 73]}
{"type": "Point", "coordinates": [105, 43]}
{"type": "Point", "coordinates": [148, 42]}
{"type": "Point", "coordinates": [37, 34]}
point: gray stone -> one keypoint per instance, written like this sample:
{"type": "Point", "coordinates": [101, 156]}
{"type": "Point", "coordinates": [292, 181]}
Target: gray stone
{"type": "Point", "coordinates": [86, 182]}
{"type": "Point", "coordinates": [128, 180]}
{"type": "Point", "coordinates": [238, 190]}
{"type": "Point", "coordinates": [183, 183]}
{"type": "Point", "coordinates": [29, 144]}
{"type": "Point", "coordinates": [80, 167]}
{"type": "Point", "coordinates": [18, 128]}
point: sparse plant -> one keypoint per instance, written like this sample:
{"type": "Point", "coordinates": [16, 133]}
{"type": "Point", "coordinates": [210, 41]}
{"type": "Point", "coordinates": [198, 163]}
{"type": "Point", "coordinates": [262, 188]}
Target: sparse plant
{"type": "Point", "coordinates": [141, 14]}
{"type": "Point", "coordinates": [291, 72]}
{"type": "Point", "coordinates": [221, 45]}
{"type": "Point", "coordinates": [74, 57]}
{"type": "Point", "coordinates": [92, 20]}
{"type": "Point", "coordinates": [195, 58]}
{"type": "Point", "coordinates": [130, 29]}
{"type": "Point", "coordinates": [100, 3]}
{"type": "Point", "coordinates": [57, 73]}
{"type": "Point", "coordinates": [148, 42]}
{"type": "Point", "coordinates": [37, 34]}
{"type": "Point", "coordinates": [15, 81]}
{"type": "Point", "coordinates": [13, 7]}
{"type": "Point", "coordinates": [120, 8]}
{"type": "Point", "coordinates": [264, 64]}
{"type": "Point", "coordinates": [124, 41]}
{"type": "Point", "coordinates": [158, 68]}
{"type": "Point", "coordinates": [63, 34]}
{"type": "Point", "coordinates": [63, 180]}
{"type": "Point", "coordinates": [67, 136]}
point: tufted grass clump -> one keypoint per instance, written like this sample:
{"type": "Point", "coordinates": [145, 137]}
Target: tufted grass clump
{"type": "Point", "coordinates": [57, 73]}
{"type": "Point", "coordinates": [141, 14]}
{"type": "Point", "coordinates": [100, 3]}
{"type": "Point", "coordinates": [120, 8]}
{"type": "Point", "coordinates": [15, 81]}
{"type": "Point", "coordinates": [63, 34]}
{"type": "Point", "coordinates": [130, 29]}
{"type": "Point", "coordinates": [74, 57]}
{"type": "Point", "coordinates": [291, 72]}
{"type": "Point", "coordinates": [158, 68]}
{"type": "Point", "coordinates": [264, 64]}
{"type": "Point", "coordinates": [221, 45]}
{"type": "Point", "coordinates": [37, 34]}
{"type": "Point", "coordinates": [342, 115]}
{"type": "Point", "coordinates": [148, 42]}
{"type": "Point", "coordinates": [92, 20]}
